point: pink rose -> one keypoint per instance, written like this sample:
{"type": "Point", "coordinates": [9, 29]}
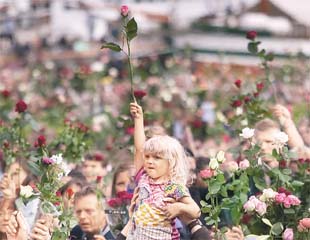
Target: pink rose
{"type": "Point", "coordinates": [47, 160]}
{"type": "Point", "coordinates": [288, 234]}
{"type": "Point", "coordinates": [261, 208]}
{"type": "Point", "coordinates": [124, 10]}
{"type": "Point", "coordinates": [287, 202]}
{"type": "Point", "coordinates": [244, 164]}
{"type": "Point", "coordinates": [207, 173]}
{"type": "Point", "coordinates": [249, 206]}
{"type": "Point", "coordinates": [280, 197]}
{"type": "Point", "coordinates": [304, 224]}
{"type": "Point", "coordinates": [294, 200]}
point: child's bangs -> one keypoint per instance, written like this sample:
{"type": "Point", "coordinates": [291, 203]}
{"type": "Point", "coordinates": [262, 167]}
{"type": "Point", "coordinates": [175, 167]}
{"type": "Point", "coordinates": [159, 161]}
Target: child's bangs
{"type": "Point", "coordinates": [156, 147]}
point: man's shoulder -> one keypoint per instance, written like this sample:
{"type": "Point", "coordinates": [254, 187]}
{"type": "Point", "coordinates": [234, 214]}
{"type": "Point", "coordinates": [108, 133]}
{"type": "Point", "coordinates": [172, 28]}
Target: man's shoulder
{"type": "Point", "coordinates": [76, 233]}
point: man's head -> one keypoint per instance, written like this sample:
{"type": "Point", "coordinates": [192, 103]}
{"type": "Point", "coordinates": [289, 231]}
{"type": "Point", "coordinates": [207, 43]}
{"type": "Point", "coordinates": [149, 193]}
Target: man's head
{"type": "Point", "coordinates": [89, 210]}
{"type": "Point", "coordinates": [94, 165]}
{"type": "Point", "coordinates": [265, 131]}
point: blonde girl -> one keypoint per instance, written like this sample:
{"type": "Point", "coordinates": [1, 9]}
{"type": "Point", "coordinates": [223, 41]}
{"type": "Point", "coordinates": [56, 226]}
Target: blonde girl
{"type": "Point", "coordinates": [162, 168]}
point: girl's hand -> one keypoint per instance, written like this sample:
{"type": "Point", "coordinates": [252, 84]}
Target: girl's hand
{"type": "Point", "coordinates": [282, 113]}
{"type": "Point", "coordinates": [136, 111]}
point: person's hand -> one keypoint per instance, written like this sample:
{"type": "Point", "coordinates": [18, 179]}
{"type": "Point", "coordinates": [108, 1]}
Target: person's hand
{"type": "Point", "coordinates": [40, 230]}
{"type": "Point", "coordinates": [234, 234]}
{"type": "Point", "coordinates": [99, 237]}
{"type": "Point", "coordinates": [282, 113]}
{"type": "Point", "coordinates": [17, 227]}
{"type": "Point", "coordinates": [172, 208]}
{"type": "Point", "coordinates": [8, 187]}
{"type": "Point", "coordinates": [136, 110]}
{"type": "Point", "coordinates": [133, 201]}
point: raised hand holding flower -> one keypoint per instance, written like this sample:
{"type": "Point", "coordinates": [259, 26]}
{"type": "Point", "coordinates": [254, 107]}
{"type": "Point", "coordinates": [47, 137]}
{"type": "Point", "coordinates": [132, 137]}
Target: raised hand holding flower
{"type": "Point", "coordinates": [129, 32]}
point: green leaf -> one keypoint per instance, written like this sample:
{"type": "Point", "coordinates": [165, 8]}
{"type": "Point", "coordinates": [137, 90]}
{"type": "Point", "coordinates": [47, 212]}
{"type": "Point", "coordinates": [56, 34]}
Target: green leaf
{"type": "Point", "coordinates": [131, 29]}
{"type": "Point", "coordinates": [34, 168]}
{"type": "Point", "coordinates": [296, 183]}
{"type": "Point", "coordinates": [288, 211]}
{"type": "Point", "coordinates": [214, 188]}
{"type": "Point", "coordinates": [267, 222]}
{"type": "Point", "coordinates": [112, 46]}
{"type": "Point", "coordinates": [277, 228]}
{"type": "Point", "coordinates": [252, 47]}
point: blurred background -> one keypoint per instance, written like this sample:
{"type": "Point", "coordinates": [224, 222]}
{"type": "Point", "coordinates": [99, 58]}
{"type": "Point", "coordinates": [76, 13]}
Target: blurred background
{"type": "Point", "coordinates": [186, 57]}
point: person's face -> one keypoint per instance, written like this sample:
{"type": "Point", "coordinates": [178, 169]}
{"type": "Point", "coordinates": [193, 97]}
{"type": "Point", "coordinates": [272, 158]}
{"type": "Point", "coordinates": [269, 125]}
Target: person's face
{"type": "Point", "coordinates": [266, 141]}
{"type": "Point", "coordinates": [121, 182]}
{"type": "Point", "coordinates": [92, 169]}
{"type": "Point", "coordinates": [5, 215]}
{"type": "Point", "coordinates": [17, 174]}
{"type": "Point", "coordinates": [90, 214]}
{"type": "Point", "coordinates": [156, 167]}
{"type": "Point", "coordinates": [192, 171]}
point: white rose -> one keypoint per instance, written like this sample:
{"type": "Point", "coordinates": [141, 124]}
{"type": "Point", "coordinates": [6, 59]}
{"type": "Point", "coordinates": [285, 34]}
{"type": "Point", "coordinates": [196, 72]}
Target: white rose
{"type": "Point", "coordinates": [26, 191]}
{"type": "Point", "coordinates": [247, 133]}
{"type": "Point", "coordinates": [244, 122]}
{"type": "Point", "coordinates": [213, 164]}
{"type": "Point", "coordinates": [268, 194]}
{"type": "Point", "coordinates": [232, 167]}
{"type": "Point", "coordinates": [220, 156]}
{"type": "Point", "coordinates": [244, 164]}
{"type": "Point", "coordinates": [57, 158]}
{"type": "Point", "coordinates": [281, 138]}
{"type": "Point", "coordinates": [239, 111]}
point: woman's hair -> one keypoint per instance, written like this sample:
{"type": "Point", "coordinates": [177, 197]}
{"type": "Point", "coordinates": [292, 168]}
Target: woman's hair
{"type": "Point", "coordinates": [169, 148]}
{"type": "Point", "coordinates": [123, 167]}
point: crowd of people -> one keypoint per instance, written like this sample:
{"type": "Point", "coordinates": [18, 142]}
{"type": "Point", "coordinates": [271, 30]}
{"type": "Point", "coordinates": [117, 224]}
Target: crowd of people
{"type": "Point", "coordinates": [185, 123]}
{"type": "Point", "coordinates": [166, 199]}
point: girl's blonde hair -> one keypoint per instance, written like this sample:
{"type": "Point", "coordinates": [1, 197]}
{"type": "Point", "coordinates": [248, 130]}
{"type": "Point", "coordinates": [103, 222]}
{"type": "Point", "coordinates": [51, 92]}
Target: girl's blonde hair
{"type": "Point", "coordinates": [170, 149]}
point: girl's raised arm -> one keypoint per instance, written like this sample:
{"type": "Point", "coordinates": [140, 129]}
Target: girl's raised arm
{"type": "Point", "coordinates": [139, 135]}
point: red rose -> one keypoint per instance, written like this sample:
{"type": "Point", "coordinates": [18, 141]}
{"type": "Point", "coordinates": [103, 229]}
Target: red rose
{"type": "Point", "coordinates": [259, 86]}
{"type": "Point", "coordinates": [256, 94]}
{"type": "Point", "coordinates": [282, 164]}
{"type": "Point", "coordinates": [236, 103]}
{"type": "Point", "coordinates": [124, 10]}
{"type": "Point", "coordinates": [6, 93]}
{"type": "Point", "coordinates": [301, 160]}
{"type": "Point", "coordinates": [115, 202]}
{"type": "Point", "coordinates": [58, 194]}
{"type": "Point", "coordinates": [197, 123]}
{"type": "Point", "coordinates": [124, 195]}
{"type": "Point", "coordinates": [20, 106]}
{"type": "Point", "coordinates": [56, 203]}
{"type": "Point", "coordinates": [70, 192]}
{"type": "Point", "coordinates": [251, 35]}
{"type": "Point", "coordinates": [139, 94]}
{"type": "Point", "coordinates": [247, 99]}
{"type": "Point", "coordinates": [246, 218]}
{"type": "Point", "coordinates": [98, 157]}
{"type": "Point", "coordinates": [41, 141]}
{"type": "Point", "coordinates": [98, 179]}
{"type": "Point", "coordinates": [82, 127]}
{"type": "Point", "coordinates": [238, 83]}
{"type": "Point", "coordinates": [130, 130]}
{"type": "Point", "coordinates": [6, 144]}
